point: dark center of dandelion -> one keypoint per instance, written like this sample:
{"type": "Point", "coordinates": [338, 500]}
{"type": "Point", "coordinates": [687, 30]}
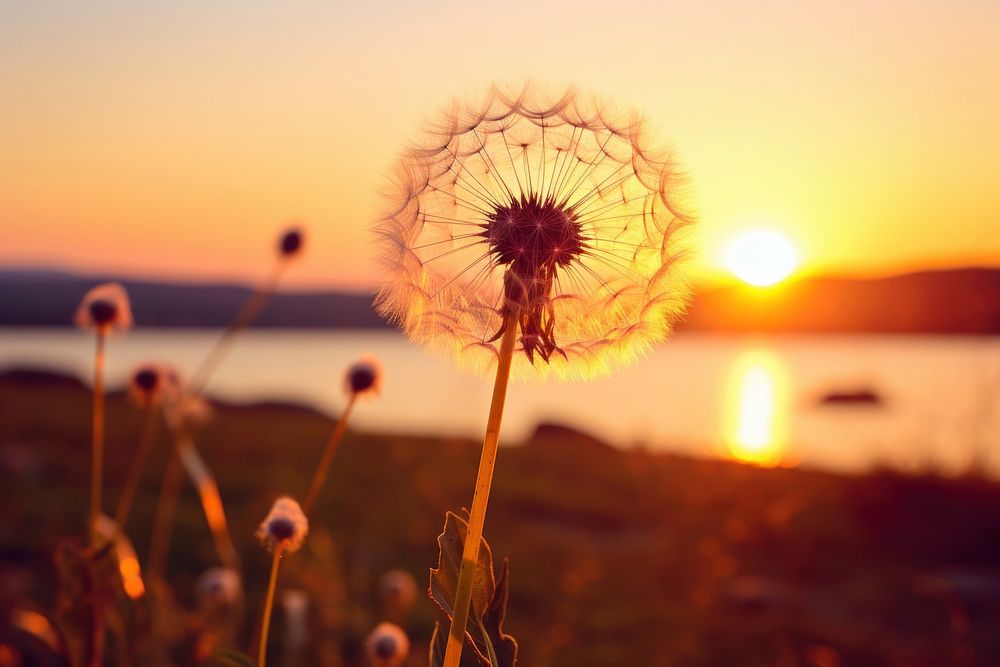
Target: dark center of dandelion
{"type": "Point", "coordinates": [533, 238]}
{"type": "Point", "coordinates": [385, 647]}
{"type": "Point", "coordinates": [103, 312]}
{"type": "Point", "coordinates": [361, 378]}
{"type": "Point", "coordinates": [291, 242]}
{"type": "Point", "coordinates": [281, 529]}
{"type": "Point", "coordinates": [146, 379]}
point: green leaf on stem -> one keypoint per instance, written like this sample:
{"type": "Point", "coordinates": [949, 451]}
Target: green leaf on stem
{"type": "Point", "coordinates": [484, 632]}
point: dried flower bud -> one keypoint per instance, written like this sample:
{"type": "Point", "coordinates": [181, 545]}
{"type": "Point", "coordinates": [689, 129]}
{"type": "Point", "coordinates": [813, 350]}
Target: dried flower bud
{"type": "Point", "coordinates": [364, 377]}
{"type": "Point", "coordinates": [219, 586]}
{"type": "Point", "coordinates": [398, 590]}
{"type": "Point", "coordinates": [153, 384]}
{"type": "Point", "coordinates": [104, 308]}
{"type": "Point", "coordinates": [285, 525]}
{"type": "Point", "coordinates": [387, 645]}
{"type": "Point", "coordinates": [291, 241]}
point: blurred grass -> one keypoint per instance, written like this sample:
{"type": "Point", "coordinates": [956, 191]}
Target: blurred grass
{"type": "Point", "coordinates": [617, 557]}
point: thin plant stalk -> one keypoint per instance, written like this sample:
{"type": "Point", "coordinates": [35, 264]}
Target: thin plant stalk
{"type": "Point", "coordinates": [166, 508]}
{"type": "Point", "coordinates": [211, 501]}
{"type": "Point", "coordinates": [481, 497]}
{"type": "Point", "coordinates": [248, 313]}
{"type": "Point", "coordinates": [268, 604]}
{"type": "Point", "coordinates": [319, 477]}
{"type": "Point", "coordinates": [138, 464]}
{"type": "Point", "coordinates": [97, 431]}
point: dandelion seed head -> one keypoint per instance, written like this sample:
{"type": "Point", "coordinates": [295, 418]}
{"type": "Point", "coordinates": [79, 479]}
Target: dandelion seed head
{"type": "Point", "coordinates": [397, 589]}
{"type": "Point", "coordinates": [153, 384]}
{"type": "Point", "coordinates": [387, 645]}
{"type": "Point", "coordinates": [552, 212]}
{"type": "Point", "coordinates": [364, 377]}
{"type": "Point", "coordinates": [105, 308]}
{"type": "Point", "coordinates": [284, 525]}
{"type": "Point", "coordinates": [219, 586]}
{"type": "Point", "coordinates": [290, 243]}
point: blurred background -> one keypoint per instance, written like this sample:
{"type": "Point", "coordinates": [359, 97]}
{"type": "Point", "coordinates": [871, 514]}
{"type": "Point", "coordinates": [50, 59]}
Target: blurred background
{"type": "Point", "coordinates": [818, 442]}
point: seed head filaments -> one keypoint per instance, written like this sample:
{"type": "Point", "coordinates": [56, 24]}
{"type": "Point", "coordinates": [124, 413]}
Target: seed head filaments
{"type": "Point", "coordinates": [554, 211]}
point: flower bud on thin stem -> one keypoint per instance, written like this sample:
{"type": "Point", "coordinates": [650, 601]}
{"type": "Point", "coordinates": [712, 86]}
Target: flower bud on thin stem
{"type": "Point", "coordinates": [290, 243]}
{"type": "Point", "coordinates": [283, 530]}
{"type": "Point", "coordinates": [387, 645]}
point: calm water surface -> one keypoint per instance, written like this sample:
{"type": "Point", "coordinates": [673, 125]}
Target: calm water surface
{"type": "Point", "coordinates": [754, 399]}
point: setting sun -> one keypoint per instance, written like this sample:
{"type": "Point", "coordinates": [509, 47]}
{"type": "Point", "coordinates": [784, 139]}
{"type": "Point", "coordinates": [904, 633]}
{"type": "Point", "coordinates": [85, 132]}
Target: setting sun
{"type": "Point", "coordinates": [761, 258]}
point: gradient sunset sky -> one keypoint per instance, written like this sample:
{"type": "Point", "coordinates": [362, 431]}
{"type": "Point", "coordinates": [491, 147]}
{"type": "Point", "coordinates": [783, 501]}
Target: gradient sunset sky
{"type": "Point", "coordinates": [175, 139]}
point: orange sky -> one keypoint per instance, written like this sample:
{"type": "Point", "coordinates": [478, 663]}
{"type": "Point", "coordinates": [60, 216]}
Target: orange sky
{"type": "Point", "coordinates": [176, 141]}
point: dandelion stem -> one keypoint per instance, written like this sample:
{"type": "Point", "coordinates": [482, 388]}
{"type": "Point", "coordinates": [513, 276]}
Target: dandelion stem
{"type": "Point", "coordinates": [166, 508]}
{"type": "Point", "coordinates": [248, 313]}
{"type": "Point", "coordinates": [97, 463]}
{"type": "Point", "coordinates": [481, 497]}
{"type": "Point", "coordinates": [268, 604]}
{"type": "Point", "coordinates": [138, 464]}
{"type": "Point", "coordinates": [319, 477]}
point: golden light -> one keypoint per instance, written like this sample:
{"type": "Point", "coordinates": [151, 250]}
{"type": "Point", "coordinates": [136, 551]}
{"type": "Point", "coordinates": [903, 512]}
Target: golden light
{"type": "Point", "coordinates": [761, 257]}
{"type": "Point", "coordinates": [36, 625]}
{"type": "Point", "coordinates": [757, 407]}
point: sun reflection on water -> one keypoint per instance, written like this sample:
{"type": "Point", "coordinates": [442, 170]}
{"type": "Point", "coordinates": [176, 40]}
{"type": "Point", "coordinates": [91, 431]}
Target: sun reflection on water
{"type": "Point", "coordinates": [757, 410]}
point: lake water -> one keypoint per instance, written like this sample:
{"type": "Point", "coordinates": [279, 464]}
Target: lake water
{"type": "Point", "coordinates": [750, 398]}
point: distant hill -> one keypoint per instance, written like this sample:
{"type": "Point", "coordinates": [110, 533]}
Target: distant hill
{"type": "Point", "coordinates": [956, 301]}
{"type": "Point", "coordinates": [959, 301]}
{"type": "Point", "coordinates": [48, 298]}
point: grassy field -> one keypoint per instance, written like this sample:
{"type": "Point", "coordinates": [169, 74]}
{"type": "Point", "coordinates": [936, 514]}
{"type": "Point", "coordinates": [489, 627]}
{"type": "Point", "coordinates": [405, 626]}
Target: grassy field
{"type": "Point", "coordinates": [617, 557]}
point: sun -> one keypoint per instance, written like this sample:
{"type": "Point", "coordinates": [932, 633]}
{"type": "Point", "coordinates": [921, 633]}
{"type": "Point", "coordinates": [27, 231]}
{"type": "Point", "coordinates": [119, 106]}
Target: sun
{"type": "Point", "coordinates": [761, 257]}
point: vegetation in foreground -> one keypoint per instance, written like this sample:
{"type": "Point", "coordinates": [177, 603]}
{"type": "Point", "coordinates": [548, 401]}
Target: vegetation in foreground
{"type": "Point", "coordinates": [626, 557]}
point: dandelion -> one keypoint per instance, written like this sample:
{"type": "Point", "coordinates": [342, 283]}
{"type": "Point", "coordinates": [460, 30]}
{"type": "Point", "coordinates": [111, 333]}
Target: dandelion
{"type": "Point", "coordinates": [290, 243]}
{"type": "Point", "coordinates": [153, 385]}
{"type": "Point", "coordinates": [219, 587]}
{"type": "Point", "coordinates": [219, 592]}
{"type": "Point", "coordinates": [533, 236]}
{"type": "Point", "coordinates": [149, 386]}
{"type": "Point", "coordinates": [103, 309]}
{"type": "Point", "coordinates": [282, 531]}
{"type": "Point", "coordinates": [286, 526]}
{"type": "Point", "coordinates": [289, 246]}
{"type": "Point", "coordinates": [387, 645]}
{"type": "Point", "coordinates": [397, 590]}
{"type": "Point", "coordinates": [363, 378]}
